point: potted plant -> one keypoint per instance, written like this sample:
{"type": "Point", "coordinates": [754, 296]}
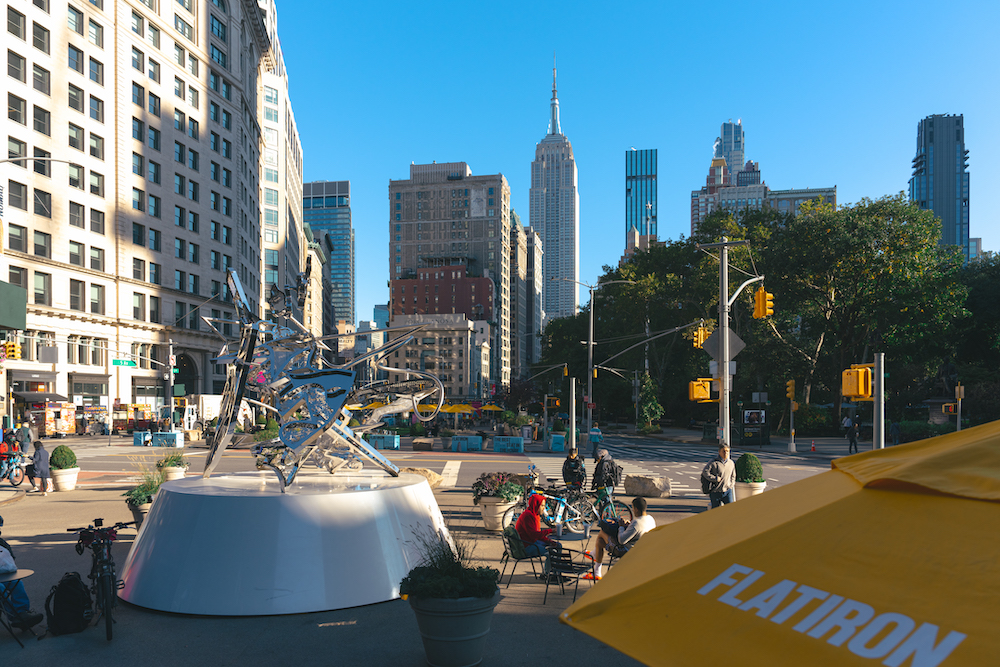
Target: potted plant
{"type": "Point", "coordinates": [495, 493]}
{"type": "Point", "coordinates": [63, 468]}
{"type": "Point", "coordinates": [452, 600]}
{"type": "Point", "coordinates": [749, 476]}
{"type": "Point", "coordinates": [173, 466]}
{"type": "Point", "coordinates": [446, 436]}
{"type": "Point", "coordinates": [140, 497]}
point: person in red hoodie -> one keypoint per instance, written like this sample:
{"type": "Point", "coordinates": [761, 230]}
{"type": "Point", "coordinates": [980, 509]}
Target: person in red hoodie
{"type": "Point", "coordinates": [529, 528]}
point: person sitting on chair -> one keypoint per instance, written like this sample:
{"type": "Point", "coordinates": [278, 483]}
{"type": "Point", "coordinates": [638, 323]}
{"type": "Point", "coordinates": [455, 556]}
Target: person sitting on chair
{"type": "Point", "coordinates": [18, 610]}
{"type": "Point", "coordinates": [618, 533]}
{"type": "Point", "coordinates": [574, 471]}
{"type": "Point", "coordinates": [529, 528]}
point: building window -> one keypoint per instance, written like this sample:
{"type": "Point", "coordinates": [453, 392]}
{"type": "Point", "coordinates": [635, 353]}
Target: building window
{"type": "Point", "coordinates": [138, 199]}
{"type": "Point", "coordinates": [97, 146]}
{"type": "Point", "coordinates": [153, 36]}
{"type": "Point", "coordinates": [219, 56]}
{"type": "Point", "coordinates": [155, 273]}
{"type": "Point", "coordinates": [42, 121]}
{"type": "Point", "coordinates": [43, 207]}
{"type": "Point", "coordinates": [138, 165]}
{"type": "Point", "coordinates": [154, 172]}
{"type": "Point", "coordinates": [154, 239]}
{"type": "Point", "coordinates": [97, 184]}
{"type": "Point", "coordinates": [40, 38]}
{"type": "Point", "coordinates": [96, 34]}
{"type": "Point", "coordinates": [180, 278]}
{"type": "Point", "coordinates": [154, 105]}
{"type": "Point", "coordinates": [138, 234]}
{"type": "Point", "coordinates": [138, 59]}
{"type": "Point", "coordinates": [43, 289]}
{"type": "Point", "coordinates": [96, 221]}
{"type": "Point", "coordinates": [193, 160]}
{"type": "Point", "coordinates": [193, 129]}
{"type": "Point", "coordinates": [183, 27]}
{"type": "Point", "coordinates": [76, 288]}
{"type": "Point", "coordinates": [76, 214]}
{"type": "Point", "coordinates": [138, 306]}
{"type": "Point", "coordinates": [41, 80]}
{"type": "Point", "coordinates": [97, 299]}
{"type": "Point", "coordinates": [154, 70]}
{"type": "Point", "coordinates": [97, 71]}
{"type": "Point", "coordinates": [19, 277]}
{"type": "Point", "coordinates": [217, 27]}
{"type": "Point", "coordinates": [96, 259]}
{"type": "Point", "coordinates": [97, 109]}
{"type": "Point", "coordinates": [154, 309]}
{"type": "Point", "coordinates": [138, 267]}
{"type": "Point", "coordinates": [76, 253]}
{"type": "Point", "coordinates": [17, 66]}
{"type": "Point", "coordinates": [154, 139]}
{"type": "Point", "coordinates": [155, 208]}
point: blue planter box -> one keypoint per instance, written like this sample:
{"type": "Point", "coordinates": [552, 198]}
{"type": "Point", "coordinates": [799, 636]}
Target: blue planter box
{"type": "Point", "coordinates": [557, 442]}
{"type": "Point", "coordinates": [510, 444]}
{"type": "Point", "coordinates": [466, 443]}
{"type": "Point", "coordinates": [383, 441]}
{"type": "Point", "coordinates": [175, 439]}
{"type": "Point", "coordinates": [139, 438]}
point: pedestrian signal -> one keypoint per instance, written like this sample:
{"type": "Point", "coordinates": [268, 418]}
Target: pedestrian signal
{"type": "Point", "coordinates": [856, 383]}
{"type": "Point", "coordinates": [949, 408]}
{"type": "Point", "coordinates": [700, 390]}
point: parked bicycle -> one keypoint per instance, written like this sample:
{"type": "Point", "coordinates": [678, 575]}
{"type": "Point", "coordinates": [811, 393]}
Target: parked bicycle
{"type": "Point", "coordinates": [567, 506]}
{"type": "Point", "coordinates": [12, 467]}
{"type": "Point", "coordinates": [608, 507]}
{"type": "Point", "coordinates": [104, 580]}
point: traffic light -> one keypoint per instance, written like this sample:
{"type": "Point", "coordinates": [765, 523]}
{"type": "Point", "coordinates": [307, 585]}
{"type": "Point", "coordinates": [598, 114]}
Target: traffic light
{"type": "Point", "coordinates": [700, 390]}
{"type": "Point", "coordinates": [763, 304]}
{"type": "Point", "coordinates": [12, 349]}
{"type": "Point", "coordinates": [17, 350]}
{"type": "Point", "coordinates": [565, 370]}
{"type": "Point", "coordinates": [949, 408]}
{"type": "Point", "coordinates": [700, 334]}
{"type": "Point", "coordinates": [595, 372]}
{"type": "Point", "coordinates": [856, 383]}
{"type": "Point", "coordinates": [790, 389]}
{"type": "Point", "coordinates": [795, 406]}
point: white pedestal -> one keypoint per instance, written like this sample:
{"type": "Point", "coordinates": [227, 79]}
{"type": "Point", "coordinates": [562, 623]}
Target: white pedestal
{"type": "Point", "coordinates": [234, 545]}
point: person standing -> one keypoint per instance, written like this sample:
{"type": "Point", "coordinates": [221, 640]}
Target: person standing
{"type": "Point", "coordinates": [895, 432]}
{"type": "Point", "coordinates": [24, 436]}
{"type": "Point", "coordinates": [852, 438]}
{"type": "Point", "coordinates": [720, 473]}
{"type": "Point", "coordinates": [596, 438]}
{"type": "Point", "coordinates": [574, 471]}
{"type": "Point", "coordinates": [846, 424]}
{"type": "Point", "coordinates": [39, 468]}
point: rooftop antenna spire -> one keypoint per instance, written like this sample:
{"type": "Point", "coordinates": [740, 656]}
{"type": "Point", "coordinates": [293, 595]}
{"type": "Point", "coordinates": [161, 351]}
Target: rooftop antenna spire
{"type": "Point", "coordinates": [554, 120]}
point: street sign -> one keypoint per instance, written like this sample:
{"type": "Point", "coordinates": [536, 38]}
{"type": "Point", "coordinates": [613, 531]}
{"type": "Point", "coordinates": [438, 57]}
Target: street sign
{"type": "Point", "coordinates": [175, 370]}
{"type": "Point", "coordinates": [122, 362]}
{"type": "Point", "coordinates": [591, 406]}
{"type": "Point", "coordinates": [713, 344]}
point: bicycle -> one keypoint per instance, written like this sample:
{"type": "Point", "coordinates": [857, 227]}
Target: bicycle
{"type": "Point", "coordinates": [105, 583]}
{"type": "Point", "coordinates": [608, 507]}
{"type": "Point", "coordinates": [567, 506]}
{"type": "Point", "coordinates": [12, 468]}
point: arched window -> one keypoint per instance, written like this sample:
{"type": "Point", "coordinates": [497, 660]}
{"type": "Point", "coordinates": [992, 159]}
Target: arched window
{"type": "Point", "coordinates": [221, 4]}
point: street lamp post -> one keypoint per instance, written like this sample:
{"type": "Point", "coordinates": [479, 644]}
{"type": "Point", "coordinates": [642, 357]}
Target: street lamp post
{"type": "Point", "coordinates": [590, 341]}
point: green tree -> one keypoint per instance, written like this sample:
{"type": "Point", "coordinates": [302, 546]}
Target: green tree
{"type": "Point", "coordinates": [649, 404]}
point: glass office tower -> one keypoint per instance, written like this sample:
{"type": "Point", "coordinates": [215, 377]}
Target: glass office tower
{"type": "Point", "coordinates": [326, 206]}
{"type": "Point", "coordinates": [940, 179]}
{"type": "Point", "coordinates": [640, 191]}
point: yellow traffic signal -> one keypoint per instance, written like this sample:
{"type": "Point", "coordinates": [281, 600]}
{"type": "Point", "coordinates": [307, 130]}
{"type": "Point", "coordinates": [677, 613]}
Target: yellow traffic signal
{"type": "Point", "coordinates": [17, 350]}
{"type": "Point", "coordinates": [763, 304]}
{"type": "Point", "coordinates": [565, 371]}
{"type": "Point", "coordinates": [13, 349]}
{"type": "Point", "coordinates": [700, 390]}
{"type": "Point", "coordinates": [856, 383]}
{"type": "Point", "coordinates": [595, 373]}
{"type": "Point", "coordinates": [790, 389]}
{"type": "Point", "coordinates": [700, 334]}
{"type": "Point", "coordinates": [795, 406]}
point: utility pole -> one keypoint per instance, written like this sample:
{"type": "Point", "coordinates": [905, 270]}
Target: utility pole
{"type": "Point", "coordinates": [171, 361]}
{"type": "Point", "coordinates": [724, 378]}
{"type": "Point", "coordinates": [878, 420]}
{"type": "Point", "coordinates": [959, 395]}
{"type": "Point", "coordinates": [572, 413]}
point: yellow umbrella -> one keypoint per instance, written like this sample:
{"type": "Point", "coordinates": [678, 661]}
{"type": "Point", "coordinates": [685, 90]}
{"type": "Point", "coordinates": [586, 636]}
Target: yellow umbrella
{"type": "Point", "coordinates": [423, 407]}
{"type": "Point", "coordinates": [491, 408]}
{"type": "Point", "coordinates": [890, 558]}
{"type": "Point", "coordinates": [463, 408]}
{"type": "Point", "coordinates": [448, 408]}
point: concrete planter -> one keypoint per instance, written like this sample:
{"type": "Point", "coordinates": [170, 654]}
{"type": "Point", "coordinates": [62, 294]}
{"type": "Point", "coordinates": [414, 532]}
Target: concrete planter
{"type": "Point", "coordinates": [139, 513]}
{"type": "Point", "coordinates": [446, 443]}
{"type": "Point", "coordinates": [493, 509]}
{"type": "Point", "coordinates": [171, 473]}
{"type": "Point", "coordinates": [454, 631]}
{"type": "Point", "coordinates": [64, 480]}
{"type": "Point", "coordinates": [747, 489]}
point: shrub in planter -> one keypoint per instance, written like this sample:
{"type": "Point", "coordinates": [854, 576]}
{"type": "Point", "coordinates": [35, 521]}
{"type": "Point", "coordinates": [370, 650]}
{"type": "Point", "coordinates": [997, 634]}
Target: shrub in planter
{"type": "Point", "coordinates": [142, 493]}
{"type": "Point", "coordinates": [749, 469]}
{"type": "Point", "coordinates": [496, 485]}
{"type": "Point", "coordinates": [446, 571]}
{"type": "Point", "coordinates": [417, 429]}
{"type": "Point", "coordinates": [62, 458]}
{"type": "Point", "coordinates": [447, 433]}
{"type": "Point", "coordinates": [173, 460]}
{"type": "Point", "coordinates": [558, 426]}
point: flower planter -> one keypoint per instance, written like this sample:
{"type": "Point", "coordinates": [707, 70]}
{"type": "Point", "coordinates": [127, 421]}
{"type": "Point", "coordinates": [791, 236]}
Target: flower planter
{"type": "Point", "coordinates": [64, 480]}
{"type": "Point", "coordinates": [454, 631]}
{"type": "Point", "coordinates": [171, 473]}
{"type": "Point", "coordinates": [747, 489]}
{"type": "Point", "coordinates": [446, 443]}
{"type": "Point", "coordinates": [493, 508]}
{"type": "Point", "coordinates": [139, 513]}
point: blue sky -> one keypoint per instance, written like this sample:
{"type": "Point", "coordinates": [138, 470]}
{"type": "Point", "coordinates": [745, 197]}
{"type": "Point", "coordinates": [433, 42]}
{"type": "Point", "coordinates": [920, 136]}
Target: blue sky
{"type": "Point", "coordinates": [828, 93]}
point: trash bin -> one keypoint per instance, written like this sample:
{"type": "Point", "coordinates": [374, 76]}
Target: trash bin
{"type": "Point", "coordinates": [557, 443]}
{"type": "Point", "coordinates": [526, 433]}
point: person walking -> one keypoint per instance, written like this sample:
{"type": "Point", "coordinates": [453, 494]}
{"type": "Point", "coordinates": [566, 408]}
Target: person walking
{"type": "Point", "coordinates": [719, 477]}
{"type": "Point", "coordinates": [596, 439]}
{"type": "Point", "coordinates": [39, 467]}
{"type": "Point", "coordinates": [852, 438]}
{"type": "Point", "coordinates": [24, 436]}
{"type": "Point", "coordinates": [846, 424]}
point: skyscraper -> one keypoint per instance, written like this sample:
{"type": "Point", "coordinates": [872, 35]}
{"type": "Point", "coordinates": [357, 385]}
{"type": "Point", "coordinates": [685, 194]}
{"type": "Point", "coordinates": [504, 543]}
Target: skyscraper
{"type": "Point", "coordinates": [326, 206]}
{"type": "Point", "coordinates": [554, 212]}
{"type": "Point", "coordinates": [940, 179]}
{"type": "Point", "coordinates": [640, 191]}
{"type": "Point", "coordinates": [729, 145]}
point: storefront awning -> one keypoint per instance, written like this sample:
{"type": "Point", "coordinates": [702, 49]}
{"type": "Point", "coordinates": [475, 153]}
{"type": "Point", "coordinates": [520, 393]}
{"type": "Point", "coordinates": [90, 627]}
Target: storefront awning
{"type": "Point", "coordinates": [40, 397]}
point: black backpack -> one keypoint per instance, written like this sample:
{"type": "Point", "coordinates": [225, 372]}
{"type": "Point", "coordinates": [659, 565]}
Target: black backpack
{"type": "Point", "coordinates": [68, 607]}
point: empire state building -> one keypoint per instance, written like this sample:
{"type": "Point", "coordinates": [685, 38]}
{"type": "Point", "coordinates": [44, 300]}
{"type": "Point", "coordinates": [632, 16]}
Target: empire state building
{"type": "Point", "coordinates": [555, 214]}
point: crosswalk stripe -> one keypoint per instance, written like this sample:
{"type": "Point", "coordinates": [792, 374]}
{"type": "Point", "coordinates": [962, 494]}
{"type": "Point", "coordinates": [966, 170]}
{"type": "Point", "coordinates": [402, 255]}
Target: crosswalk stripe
{"type": "Point", "coordinates": [450, 474]}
